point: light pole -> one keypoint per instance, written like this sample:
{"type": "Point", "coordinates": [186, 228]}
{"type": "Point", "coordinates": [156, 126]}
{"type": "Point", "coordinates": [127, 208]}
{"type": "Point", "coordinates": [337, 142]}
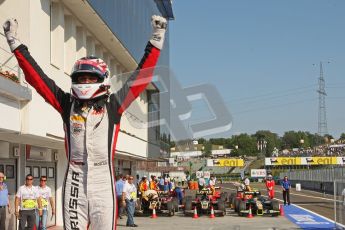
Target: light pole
{"type": "Point", "coordinates": [261, 145]}
{"type": "Point", "coordinates": [301, 143]}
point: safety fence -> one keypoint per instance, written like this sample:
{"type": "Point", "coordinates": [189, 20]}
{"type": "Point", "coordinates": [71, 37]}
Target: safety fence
{"type": "Point", "coordinates": [318, 175]}
{"type": "Point", "coordinates": [339, 201]}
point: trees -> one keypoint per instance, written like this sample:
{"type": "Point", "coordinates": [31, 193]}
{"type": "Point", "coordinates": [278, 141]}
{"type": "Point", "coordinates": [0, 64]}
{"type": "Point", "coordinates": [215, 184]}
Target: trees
{"type": "Point", "coordinates": [292, 139]}
{"type": "Point", "coordinates": [207, 151]}
{"type": "Point", "coordinates": [272, 141]}
{"type": "Point", "coordinates": [342, 136]}
{"type": "Point", "coordinates": [246, 145]}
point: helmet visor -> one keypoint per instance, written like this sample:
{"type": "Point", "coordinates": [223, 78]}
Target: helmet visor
{"type": "Point", "coordinates": [80, 69]}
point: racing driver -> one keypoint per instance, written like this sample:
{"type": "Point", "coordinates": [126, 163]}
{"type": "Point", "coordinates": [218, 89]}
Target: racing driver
{"type": "Point", "coordinates": [91, 116]}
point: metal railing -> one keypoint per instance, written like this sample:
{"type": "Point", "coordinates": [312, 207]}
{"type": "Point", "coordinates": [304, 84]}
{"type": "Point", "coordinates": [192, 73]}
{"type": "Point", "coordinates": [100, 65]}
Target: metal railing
{"type": "Point", "coordinates": [8, 63]}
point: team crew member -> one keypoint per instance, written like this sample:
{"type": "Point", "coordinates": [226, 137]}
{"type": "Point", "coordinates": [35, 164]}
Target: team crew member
{"type": "Point", "coordinates": [27, 199]}
{"type": "Point", "coordinates": [143, 185]}
{"type": "Point", "coordinates": [153, 183]}
{"type": "Point", "coordinates": [212, 184]}
{"type": "Point", "coordinates": [46, 198]}
{"type": "Point", "coordinates": [4, 201]}
{"type": "Point", "coordinates": [247, 185]}
{"type": "Point", "coordinates": [129, 198]}
{"type": "Point", "coordinates": [91, 117]}
{"type": "Point", "coordinates": [286, 185]}
{"type": "Point", "coordinates": [270, 186]}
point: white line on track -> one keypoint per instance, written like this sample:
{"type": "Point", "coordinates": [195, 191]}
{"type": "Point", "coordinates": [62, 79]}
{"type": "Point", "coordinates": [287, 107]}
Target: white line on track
{"type": "Point", "coordinates": [316, 197]}
{"type": "Point", "coordinates": [296, 194]}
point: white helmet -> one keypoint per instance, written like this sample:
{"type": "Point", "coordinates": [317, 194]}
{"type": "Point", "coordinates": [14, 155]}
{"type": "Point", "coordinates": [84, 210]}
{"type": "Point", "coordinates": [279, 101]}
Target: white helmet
{"type": "Point", "coordinates": [93, 66]}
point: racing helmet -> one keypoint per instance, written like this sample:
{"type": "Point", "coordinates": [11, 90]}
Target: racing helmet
{"type": "Point", "coordinates": [92, 66]}
{"type": "Point", "coordinates": [269, 177]}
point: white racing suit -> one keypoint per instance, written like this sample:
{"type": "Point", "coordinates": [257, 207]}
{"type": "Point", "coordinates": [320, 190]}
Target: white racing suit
{"type": "Point", "coordinates": [90, 140]}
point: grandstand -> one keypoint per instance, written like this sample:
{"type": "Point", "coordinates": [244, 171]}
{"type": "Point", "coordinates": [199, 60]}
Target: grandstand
{"type": "Point", "coordinates": [321, 150]}
{"type": "Point", "coordinates": [217, 170]}
{"type": "Point", "coordinates": [197, 164]}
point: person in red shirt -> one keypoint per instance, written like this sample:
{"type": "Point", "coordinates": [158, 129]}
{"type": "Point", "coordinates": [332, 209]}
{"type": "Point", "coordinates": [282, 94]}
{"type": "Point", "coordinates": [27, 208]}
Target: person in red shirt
{"type": "Point", "coordinates": [270, 186]}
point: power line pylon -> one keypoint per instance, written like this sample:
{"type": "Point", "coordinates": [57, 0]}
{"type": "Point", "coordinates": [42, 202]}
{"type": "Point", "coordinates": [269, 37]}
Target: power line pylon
{"type": "Point", "coordinates": [322, 119]}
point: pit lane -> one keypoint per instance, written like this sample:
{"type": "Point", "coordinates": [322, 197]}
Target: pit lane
{"type": "Point", "coordinates": [231, 221]}
{"type": "Point", "coordinates": [319, 203]}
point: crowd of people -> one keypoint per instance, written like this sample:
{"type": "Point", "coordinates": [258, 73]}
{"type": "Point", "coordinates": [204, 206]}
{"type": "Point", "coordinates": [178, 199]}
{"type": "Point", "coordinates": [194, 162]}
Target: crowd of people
{"type": "Point", "coordinates": [319, 151]}
{"type": "Point", "coordinates": [129, 193]}
{"type": "Point", "coordinates": [31, 203]}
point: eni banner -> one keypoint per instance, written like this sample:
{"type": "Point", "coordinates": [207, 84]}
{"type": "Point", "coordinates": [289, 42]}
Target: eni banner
{"type": "Point", "coordinates": [226, 162]}
{"type": "Point", "coordinates": [319, 160]}
{"type": "Point", "coordinates": [283, 161]}
{"type": "Point", "coordinates": [279, 161]}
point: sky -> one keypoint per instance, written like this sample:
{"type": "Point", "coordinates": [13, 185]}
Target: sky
{"type": "Point", "coordinates": [263, 57]}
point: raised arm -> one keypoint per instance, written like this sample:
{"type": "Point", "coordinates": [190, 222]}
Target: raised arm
{"type": "Point", "coordinates": [34, 75]}
{"type": "Point", "coordinates": [139, 80]}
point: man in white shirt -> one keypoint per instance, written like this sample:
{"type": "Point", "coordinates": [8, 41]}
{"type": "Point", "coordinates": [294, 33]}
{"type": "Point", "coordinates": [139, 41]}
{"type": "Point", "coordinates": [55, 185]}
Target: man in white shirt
{"type": "Point", "coordinates": [46, 197]}
{"type": "Point", "coordinates": [129, 198]}
{"type": "Point", "coordinates": [201, 183]}
{"type": "Point", "coordinates": [27, 199]}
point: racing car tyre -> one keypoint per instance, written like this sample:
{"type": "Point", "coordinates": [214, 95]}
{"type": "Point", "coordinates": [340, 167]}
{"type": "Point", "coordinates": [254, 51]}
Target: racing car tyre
{"type": "Point", "coordinates": [237, 202]}
{"type": "Point", "coordinates": [224, 196]}
{"type": "Point", "coordinates": [221, 207]}
{"type": "Point", "coordinates": [175, 202]}
{"type": "Point", "coordinates": [242, 206]}
{"type": "Point", "coordinates": [275, 207]}
{"type": "Point", "coordinates": [183, 200]}
{"type": "Point", "coordinates": [171, 208]}
{"type": "Point", "coordinates": [230, 197]}
{"type": "Point", "coordinates": [188, 205]}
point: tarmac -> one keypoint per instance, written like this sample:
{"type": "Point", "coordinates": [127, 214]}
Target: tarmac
{"type": "Point", "coordinates": [229, 222]}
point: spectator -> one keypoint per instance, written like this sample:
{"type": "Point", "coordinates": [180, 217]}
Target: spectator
{"type": "Point", "coordinates": [27, 198]}
{"type": "Point", "coordinates": [4, 201]}
{"type": "Point", "coordinates": [120, 181]}
{"type": "Point", "coordinates": [129, 198]}
{"type": "Point", "coordinates": [46, 194]}
{"type": "Point", "coordinates": [343, 194]}
{"type": "Point", "coordinates": [286, 185]}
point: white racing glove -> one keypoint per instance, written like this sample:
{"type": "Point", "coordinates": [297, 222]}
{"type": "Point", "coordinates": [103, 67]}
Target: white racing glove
{"type": "Point", "coordinates": [10, 30]}
{"type": "Point", "coordinates": [159, 26]}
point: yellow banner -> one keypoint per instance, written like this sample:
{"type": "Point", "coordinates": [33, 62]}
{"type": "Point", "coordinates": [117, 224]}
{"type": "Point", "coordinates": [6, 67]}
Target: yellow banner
{"type": "Point", "coordinates": [321, 160]}
{"type": "Point", "coordinates": [228, 162]}
{"type": "Point", "coordinates": [283, 161]}
{"type": "Point", "coordinates": [303, 161]}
